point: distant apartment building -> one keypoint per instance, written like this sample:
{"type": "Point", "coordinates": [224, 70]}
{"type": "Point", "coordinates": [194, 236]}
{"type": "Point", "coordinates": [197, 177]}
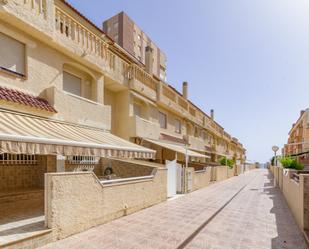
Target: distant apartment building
{"type": "Point", "coordinates": [298, 141]}
{"type": "Point", "coordinates": [128, 35]}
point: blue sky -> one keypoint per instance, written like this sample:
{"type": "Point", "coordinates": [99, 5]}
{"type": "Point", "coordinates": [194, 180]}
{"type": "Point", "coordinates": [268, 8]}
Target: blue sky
{"type": "Point", "coordinates": [247, 59]}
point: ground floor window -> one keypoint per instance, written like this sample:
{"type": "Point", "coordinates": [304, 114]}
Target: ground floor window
{"type": "Point", "coordinates": [14, 159]}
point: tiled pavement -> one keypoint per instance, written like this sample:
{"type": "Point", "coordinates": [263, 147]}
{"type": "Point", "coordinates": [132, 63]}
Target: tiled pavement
{"type": "Point", "coordinates": [256, 217]}
{"type": "Point", "coordinates": [20, 219]}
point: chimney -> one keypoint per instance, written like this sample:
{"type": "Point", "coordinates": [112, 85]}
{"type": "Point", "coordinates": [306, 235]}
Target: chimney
{"type": "Point", "coordinates": [149, 59]}
{"type": "Point", "coordinates": [185, 89]}
{"type": "Point", "coordinates": [212, 114]}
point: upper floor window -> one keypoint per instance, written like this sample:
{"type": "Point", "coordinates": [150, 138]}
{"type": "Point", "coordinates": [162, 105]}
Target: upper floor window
{"type": "Point", "coordinates": [12, 55]}
{"type": "Point", "coordinates": [137, 110]}
{"type": "Point", "coordinates": [72, 83]}
{"type": "Point", "coordinates": [162, 120]}
{"type": "Point", "coordinates": [79, 82]}
{"type": "Point", "coordinates": [196, 132]}
{"type": "Point", "coordinates": [177, 126]}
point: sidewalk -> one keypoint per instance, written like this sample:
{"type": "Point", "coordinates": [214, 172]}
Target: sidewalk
{"type": "Point", "coordinates": [242, 212]}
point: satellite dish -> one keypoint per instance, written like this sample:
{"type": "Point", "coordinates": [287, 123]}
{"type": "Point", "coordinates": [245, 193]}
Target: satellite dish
{"type": "Point", "coordinates": [275, 148]}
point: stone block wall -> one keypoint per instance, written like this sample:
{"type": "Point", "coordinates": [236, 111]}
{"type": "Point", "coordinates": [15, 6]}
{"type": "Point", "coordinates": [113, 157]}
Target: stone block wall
{"type": "Point", "coordinates": [23, 176]}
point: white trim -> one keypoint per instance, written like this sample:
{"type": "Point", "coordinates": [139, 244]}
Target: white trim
{"type": "Point", "coordinates": [30, 139]}
{"type": "Point", "coordinates": [127, 179]}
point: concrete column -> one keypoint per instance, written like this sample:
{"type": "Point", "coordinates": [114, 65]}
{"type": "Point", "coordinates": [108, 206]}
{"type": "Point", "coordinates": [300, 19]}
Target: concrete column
{"type": "Point", "coordinates": [100, 90]}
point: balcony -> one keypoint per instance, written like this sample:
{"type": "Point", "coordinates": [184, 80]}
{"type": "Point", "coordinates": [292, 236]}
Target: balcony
{"type": "Point", "coordinates": [56, 23]}
{"type": "Point", "coordinates": [140, 127]}
{"type": "Point", "coordinates": [143, 82]}
{"type": "Point", "coordinates": [37, 15]}
{"type": "Point", "coordinates": [169, 98]}
{"type": "Point", "coordinates": [75, 109]}
{"type": "Point", "coordinates": [197, 143]}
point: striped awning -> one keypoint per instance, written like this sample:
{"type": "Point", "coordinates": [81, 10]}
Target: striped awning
{"type": "Point", "coordinates": [27, 134]}
{"type": "Point", "coordinates": [177, 148]}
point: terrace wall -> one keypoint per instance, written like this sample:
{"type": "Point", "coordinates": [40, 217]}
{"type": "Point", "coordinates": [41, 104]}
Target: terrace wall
{"type": "Point", "coordinates": [77, 201]}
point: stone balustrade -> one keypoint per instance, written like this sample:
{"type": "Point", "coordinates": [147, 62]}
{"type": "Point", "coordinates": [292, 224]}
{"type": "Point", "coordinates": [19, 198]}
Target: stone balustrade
{"type": "Point", "coordinates": [38, 7]}
{"type": "Point", "coordinates": [81, 35]}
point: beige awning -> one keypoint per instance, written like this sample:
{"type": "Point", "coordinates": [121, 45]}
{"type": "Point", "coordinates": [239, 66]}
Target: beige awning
{"type": "Point", "coordinates": [140, 162]}
{"type": "Point", "coordinates": [27, 134]}
{"type": "Point", "coordinates": [177, 148]}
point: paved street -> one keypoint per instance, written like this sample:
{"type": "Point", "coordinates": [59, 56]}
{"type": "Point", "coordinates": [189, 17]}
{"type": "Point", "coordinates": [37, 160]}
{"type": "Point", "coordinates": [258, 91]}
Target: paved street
{"type": "Point", "coordinates": [242, 212]}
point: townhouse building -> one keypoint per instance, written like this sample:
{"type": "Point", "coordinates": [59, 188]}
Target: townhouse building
{"type": "Point", "coordinates": [298, 140]}
{"type": "Point", "coordinates": [73, 100]}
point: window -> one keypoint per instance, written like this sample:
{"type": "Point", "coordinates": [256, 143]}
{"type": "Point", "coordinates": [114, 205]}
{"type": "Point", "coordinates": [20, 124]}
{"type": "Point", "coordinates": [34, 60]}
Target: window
{"type": "Point", "coordinates": [83, 160]}
{"type": "Point", "coordinates": [196, 132]}
{"type": "Point", "coordinates": [12, 55]}
{"type": "Point", "coordinates": [139, 37]}
{"type": "Point", "coordinates": [13, 159]}
{"type": "Point", "coordinates": [72, 83]}
{"type": "Point", "coordinates": [177, 126]}
{"type": "Point", "coordinates": [137, 110]}
{"type": "Point", "coordinates": [116, 38]}
{"type": "Point", "coordinates": [162, 120]}
{"type": "Point", "coordinates": [204, 135]}
{"type": "Point", "coordinates": [116, 25]}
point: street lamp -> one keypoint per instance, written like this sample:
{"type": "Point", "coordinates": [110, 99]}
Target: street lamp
{"type": "Point", "coordinates": [275, 149]}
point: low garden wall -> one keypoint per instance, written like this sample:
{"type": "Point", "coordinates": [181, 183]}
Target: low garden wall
{"type": "Point", "coordinates": [76, 201]}
{"type": "Point", "coordinates": [296, 193]}
{"type": "Point", "coordinates": [230, 172]}
{"type": "Point", "coordinates": [201, 178]}
{"type": "Point", "coordinates": [293, 193]}
{"type": "Point", "coordinates": [239, 169]}
{"type": "Point", "coordinates": [221, 173]}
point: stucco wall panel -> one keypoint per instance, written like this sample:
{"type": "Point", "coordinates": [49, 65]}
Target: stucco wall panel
{"type": "Point", "coordinates": [77, 201]}
{"type": "Point", "coordinates": [201, 179]}
{"type": "Point", "coordinates": [222, 173]}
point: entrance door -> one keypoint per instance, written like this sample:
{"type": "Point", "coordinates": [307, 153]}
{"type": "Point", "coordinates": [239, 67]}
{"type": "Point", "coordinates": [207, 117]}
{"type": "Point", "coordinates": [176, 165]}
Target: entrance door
{"type": "Point", "coordinates": [171, 177]}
